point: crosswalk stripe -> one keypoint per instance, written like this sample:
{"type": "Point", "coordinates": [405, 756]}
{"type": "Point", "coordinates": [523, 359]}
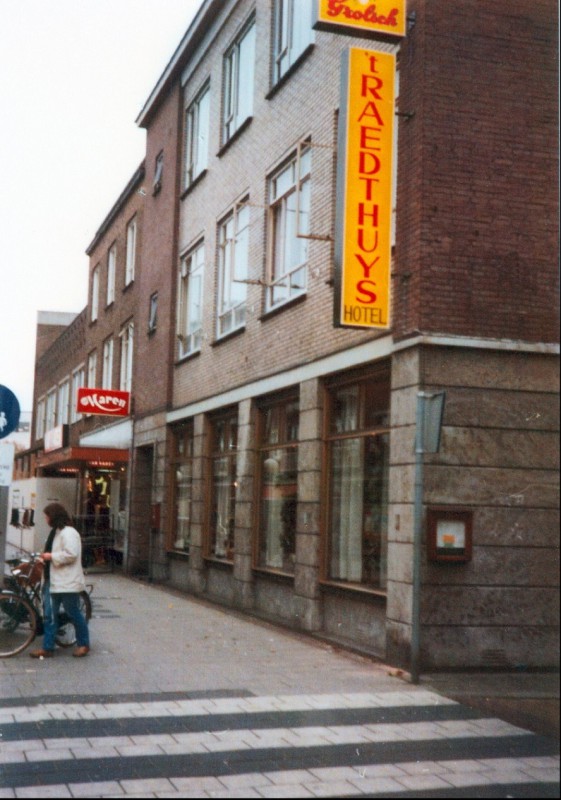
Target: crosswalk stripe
{"type": "Point", "coordinates": [292, 745]}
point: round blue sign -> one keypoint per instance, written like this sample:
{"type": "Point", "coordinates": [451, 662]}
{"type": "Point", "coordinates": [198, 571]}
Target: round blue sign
{"type": "Point", "coordinates": [9, 412]}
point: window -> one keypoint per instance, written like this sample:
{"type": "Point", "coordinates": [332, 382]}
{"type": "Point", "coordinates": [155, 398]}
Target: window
{"type": "Point", "coordinates": [158, 173]}
{"type": "Point", "coordinates": [190, 312]}
{"type": "Point", "coordinates": [223, 458]}
{"type": "Point", "coordinates": [293, 34]}
{"type": "Point", "coordinates": [40, 419]}
{"type": "Point", "coordinates": [107, 367]}
{"type": "Point", "coordinates": [92, 370]}
{"type": "Point", "coordinates": [182, 482]}
{"type": "Point", "coordinates": [95, 294]}
{"type": "Point", "coordinates": [111, 267]}
{"type": "Point", "coordinates": [153, 313]}
{"type": "Point", "coordinates": [233, 254]}
{"type": "Point", "coordinates": [50, 413]}
{"type": "Point", "coordinates": [127, 340]}
{"type": "Point", "coordinates": [63, 403]}
{"type": "Point", "coordinates": [278, 484]}
{"type": "Point", "coordinates": [197, 119]}
{"type": "Point", "coordinates": [289, 214]}
{"type": "Point", "coordinates": [238, 82]}
{"type": "Point", "coordinates": [131, 252]}
{"type": "Point", "coordinates": [78, 379]}
{"type": "Point", "coordinates": [358, 458]}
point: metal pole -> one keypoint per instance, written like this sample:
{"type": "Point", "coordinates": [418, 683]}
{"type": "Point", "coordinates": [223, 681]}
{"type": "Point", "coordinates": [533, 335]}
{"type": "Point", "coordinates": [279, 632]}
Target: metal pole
{"type": "Point", "coordinates": [417, 533]}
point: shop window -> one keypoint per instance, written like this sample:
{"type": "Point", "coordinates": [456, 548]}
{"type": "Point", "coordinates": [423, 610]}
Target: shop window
{"type": "Point", "coordinates": [223, 465]}
{"type": "Point", "coordinates": [182, 483]}
{"type": "Point", "coordinates": [278, 485]}
{"type": "Point", "coordinates": [358, 463]}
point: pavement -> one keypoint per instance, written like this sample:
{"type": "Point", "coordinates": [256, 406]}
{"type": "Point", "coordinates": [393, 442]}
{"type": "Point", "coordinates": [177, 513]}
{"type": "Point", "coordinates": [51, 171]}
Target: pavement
{"type": "Point", "coordinates": [181, 698]}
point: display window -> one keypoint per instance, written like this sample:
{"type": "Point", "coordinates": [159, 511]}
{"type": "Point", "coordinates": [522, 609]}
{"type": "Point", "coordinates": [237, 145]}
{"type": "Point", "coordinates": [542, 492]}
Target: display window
{"type": "Point", "coordinates": [222, 482]}
{"type": "Point", "coordinates": [182, 488]}
{"type": "Point", "coordinates": [358, 442]}
{"type": "Point", "coordinates": [278, 484]}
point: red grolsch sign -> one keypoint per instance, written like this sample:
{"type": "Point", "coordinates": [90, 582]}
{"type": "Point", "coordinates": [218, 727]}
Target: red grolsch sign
{"type": "Point", "coordinates": [103, 401]}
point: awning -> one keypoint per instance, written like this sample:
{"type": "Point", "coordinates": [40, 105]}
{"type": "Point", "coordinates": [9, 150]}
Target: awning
{"type": "Point", "coordinates": [83, 457]}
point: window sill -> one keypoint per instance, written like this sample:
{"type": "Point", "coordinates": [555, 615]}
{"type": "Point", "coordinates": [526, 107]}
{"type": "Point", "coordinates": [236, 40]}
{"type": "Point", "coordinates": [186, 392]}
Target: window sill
{"type": "Point", "coordinates": [226, 336]}
{"type": "Point", "coordinates": [273, 574]}
{"type": "Point", "coordinates": [187, 357]}
{"type": "Point", "coordinates": [212, 561]}
{"type": "Point", "coordinates": [290, 71]}
{"type": "Point", "coordinates": [128, 286]}
{"type": "Point", "coordinates": [294, 301]}
{"type": "Point", "coordinates": [237, 133]}
{"type": "Point", "coordinates": [180, 555]}
{"type": "Point", "coordinates": [377, 595]}
{"type": "Point", "coordinates": [192, 185]}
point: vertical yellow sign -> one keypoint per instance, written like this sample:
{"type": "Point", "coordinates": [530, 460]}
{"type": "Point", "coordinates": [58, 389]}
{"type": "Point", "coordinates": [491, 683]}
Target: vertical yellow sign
{"type": "Point", "coordinates": [364, 190]}
{"type": "Point", "coordinates": [362, 17]}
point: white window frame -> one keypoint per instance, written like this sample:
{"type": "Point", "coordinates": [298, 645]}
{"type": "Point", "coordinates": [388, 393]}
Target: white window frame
{"type": "Point", "coordinates": [78, 381]}
{"type": "Point", "coordinates": [111, 271]}
{"type": "Point", "coordinates": [289, 215]}
{"type": "Point", "coordinates": [197, 127]}
{"type": "Point", "coordinates": [92, 370]}
{"type": "Point", "coordinates": [238, 81]}
{"type": "Point", "coordinates": [127, 346]}
{"type": "Point", "coordinates": [131, 251]}
{"type": "Point", "coordinates": [292, 35]}
{"type": "Point", "coordinates": [107, 367]}
{"type": "Point", "coordinates": [50, 411]}
{"type": "Point", "coordinates": [63, 402]}
{"type": "Point", "coordinates": [233, 269]}
{"type": "Point", "coordinates": [40, 418]}
{"type": "Point", "coordinates": [95, 294]}
{"type": "Point", "coordinates": [190, 307]}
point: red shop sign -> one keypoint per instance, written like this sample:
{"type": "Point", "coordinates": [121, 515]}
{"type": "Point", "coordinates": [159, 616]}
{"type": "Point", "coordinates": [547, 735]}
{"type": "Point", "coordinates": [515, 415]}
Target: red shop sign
{"type": "Point", "coordinates": [103, 401]}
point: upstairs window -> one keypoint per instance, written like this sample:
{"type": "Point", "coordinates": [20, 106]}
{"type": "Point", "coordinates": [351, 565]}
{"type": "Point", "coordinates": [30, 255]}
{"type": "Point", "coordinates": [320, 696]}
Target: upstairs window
{"type": "Point", "coordinates": [92, 370]}
{"type": "Point", "coordinates": [190, 310]}
{"type": "Point", "coordinates": [40, 419]}
{"type": "Point", "coordinates": [131, 252]}
{"type": "Point", "coordinates": [111, 269]}
{"type": "Point", "coordinates": [127, 340]}
{"type": "Point", "coordinates": [50, 414]}
{"type": "Point", "coordinates": [107, 371]}
{"type": "Point", "coordinates": [289, 214]}
{"type": "Point", "coordinates": [78, 381]}
{"type": "Point", "coordinates": [233, 244]}
{"type": "Point", "coordinates": [238, 82]}
{"type": "Point", "coordinates": [63, 403]}
{"type": "Point", "coordinates": [95, 294]}
{"type": "Point", "coordinates": [158, 173]}
{"type": "Point", "coordinates": [197, 121]}
{"type": "Point", "coordinates": [293, 33]}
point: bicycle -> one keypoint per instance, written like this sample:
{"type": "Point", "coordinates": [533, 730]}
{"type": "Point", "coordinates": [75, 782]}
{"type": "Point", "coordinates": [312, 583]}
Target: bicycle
{"type": "Point", "coordinates": [21, 608]}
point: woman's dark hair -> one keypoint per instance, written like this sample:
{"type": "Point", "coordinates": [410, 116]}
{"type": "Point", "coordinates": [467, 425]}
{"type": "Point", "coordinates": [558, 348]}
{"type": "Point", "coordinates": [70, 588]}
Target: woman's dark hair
{"type": "Point", "coordinates": [57, 515]}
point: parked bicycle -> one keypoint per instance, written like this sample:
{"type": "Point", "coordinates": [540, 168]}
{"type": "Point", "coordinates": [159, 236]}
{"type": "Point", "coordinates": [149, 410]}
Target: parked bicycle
{"type": "Point", "coordinates": [21, 608]}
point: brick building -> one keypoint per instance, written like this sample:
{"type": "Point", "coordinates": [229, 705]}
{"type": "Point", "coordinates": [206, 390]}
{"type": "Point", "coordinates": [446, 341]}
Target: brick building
{"type": "Point", "coordinates": [274, 464]}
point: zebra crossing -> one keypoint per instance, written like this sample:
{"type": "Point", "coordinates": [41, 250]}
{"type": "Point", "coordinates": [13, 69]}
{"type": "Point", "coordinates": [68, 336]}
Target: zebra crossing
{"type": "Point", "coordinates": [235, 744]}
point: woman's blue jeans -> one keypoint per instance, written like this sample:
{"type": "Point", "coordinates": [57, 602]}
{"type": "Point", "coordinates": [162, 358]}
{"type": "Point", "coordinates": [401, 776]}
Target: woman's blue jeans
{"type": "Point", "coordinates": [51, 608]}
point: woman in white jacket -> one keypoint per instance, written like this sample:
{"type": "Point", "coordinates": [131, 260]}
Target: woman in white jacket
{"type": "Point", "coordinates": [63, 580]}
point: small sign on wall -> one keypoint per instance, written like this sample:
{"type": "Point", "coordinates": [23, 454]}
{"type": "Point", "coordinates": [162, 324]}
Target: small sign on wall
{"type": "Point", "coordinates": [449, 534]}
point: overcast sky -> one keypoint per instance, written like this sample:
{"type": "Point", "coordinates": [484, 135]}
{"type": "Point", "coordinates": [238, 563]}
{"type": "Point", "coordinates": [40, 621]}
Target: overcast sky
{"type": "Point", "coordinates": [74, 75]}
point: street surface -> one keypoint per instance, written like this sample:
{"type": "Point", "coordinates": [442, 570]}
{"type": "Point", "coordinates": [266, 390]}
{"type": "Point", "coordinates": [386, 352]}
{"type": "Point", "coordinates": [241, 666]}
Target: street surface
{"type": "Point", "coordinates": [179, 698]}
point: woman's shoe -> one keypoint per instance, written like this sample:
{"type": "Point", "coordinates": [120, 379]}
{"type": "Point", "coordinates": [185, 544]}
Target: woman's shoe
{"type": "Point", "coordinates": [80, 652]}
{"type": "Point", "coordinates": [41, 654]}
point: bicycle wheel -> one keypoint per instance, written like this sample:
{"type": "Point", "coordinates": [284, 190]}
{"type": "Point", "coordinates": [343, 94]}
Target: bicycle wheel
{"type": "Point", "coordinates": [18, 624]}
{"type": "Point", "coordinates": [66, 634]}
